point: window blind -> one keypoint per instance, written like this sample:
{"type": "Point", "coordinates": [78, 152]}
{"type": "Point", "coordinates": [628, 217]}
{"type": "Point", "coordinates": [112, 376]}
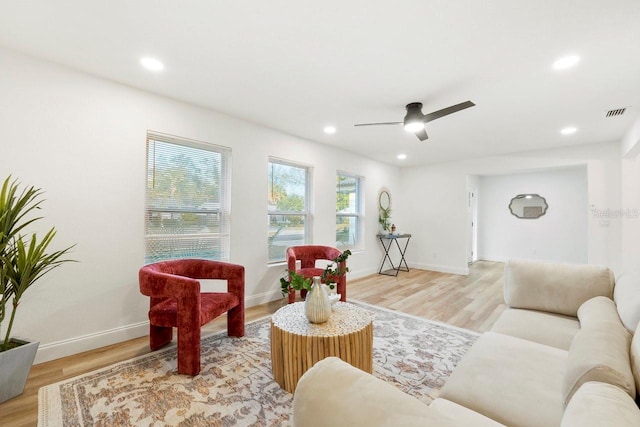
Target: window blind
{"type": "Point", "coordinates": [187, 211]}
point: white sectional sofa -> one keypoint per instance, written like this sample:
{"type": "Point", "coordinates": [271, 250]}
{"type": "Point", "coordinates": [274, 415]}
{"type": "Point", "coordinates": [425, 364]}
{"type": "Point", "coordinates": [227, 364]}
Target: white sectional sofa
{"type": "Point", "coordinates": [564, 353]}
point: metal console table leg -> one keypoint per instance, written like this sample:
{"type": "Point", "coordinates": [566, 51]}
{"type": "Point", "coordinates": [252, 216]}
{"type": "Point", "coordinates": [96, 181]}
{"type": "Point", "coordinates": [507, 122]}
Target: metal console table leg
{"type": "Point", "coordinates": [390, 238]}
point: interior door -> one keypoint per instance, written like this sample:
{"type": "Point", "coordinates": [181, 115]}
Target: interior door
{"type": "Point", "coordinates": [472, 254]}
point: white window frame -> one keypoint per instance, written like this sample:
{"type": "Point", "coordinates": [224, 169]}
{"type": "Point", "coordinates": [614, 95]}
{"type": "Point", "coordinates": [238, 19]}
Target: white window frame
{"type": "Point", "coordinates": [359, 214]}
{"type": "Point", "coordinates": [306, 213]}
{"type": "Point", "coordinates": [223, 210]}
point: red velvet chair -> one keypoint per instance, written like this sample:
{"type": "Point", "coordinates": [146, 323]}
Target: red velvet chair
{"type": "Point", "coordinates": [176, 301]}
{"type": "Point", "coordinates": [308, 255]}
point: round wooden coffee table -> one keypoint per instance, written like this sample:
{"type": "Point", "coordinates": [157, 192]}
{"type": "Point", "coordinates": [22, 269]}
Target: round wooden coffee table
{"type": "Point", "coordinates": [297, 344]}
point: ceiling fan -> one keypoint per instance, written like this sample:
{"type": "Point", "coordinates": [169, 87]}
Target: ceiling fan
{"type": "Point", "coordinates": [414, 120]}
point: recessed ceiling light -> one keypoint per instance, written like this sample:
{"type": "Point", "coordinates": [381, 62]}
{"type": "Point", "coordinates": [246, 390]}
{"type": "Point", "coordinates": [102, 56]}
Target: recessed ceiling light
{"type": "Point", "coordinates": [402, 156]}
{"type": "Point", "coordinates": [566, 62]}
{"type": "Point", "coordinates": [568, 130]}
{"type": "Point", "coordinates": [329, 130]}
{"type": "Point", "coordinates": [151, 64]}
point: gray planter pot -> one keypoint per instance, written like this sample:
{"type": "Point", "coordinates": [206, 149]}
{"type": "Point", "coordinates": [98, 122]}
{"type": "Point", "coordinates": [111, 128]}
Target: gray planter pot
{"type": "Point", "coordinates": [15, 365]}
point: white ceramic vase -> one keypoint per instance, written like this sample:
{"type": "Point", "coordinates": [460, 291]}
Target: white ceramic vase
{"type": "Point", "coordinates": [317, 305]}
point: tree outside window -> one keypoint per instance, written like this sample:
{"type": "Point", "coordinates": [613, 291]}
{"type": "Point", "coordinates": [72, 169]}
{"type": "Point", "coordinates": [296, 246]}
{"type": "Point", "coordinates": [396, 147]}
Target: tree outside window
{"type": "Point", "coordinates": [348, 211]}
{"type": "Point", "coordinates": [287, 207]}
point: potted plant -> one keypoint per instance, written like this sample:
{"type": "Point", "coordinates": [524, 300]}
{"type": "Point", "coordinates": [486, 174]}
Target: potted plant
{"type": "Point", "coordinates": [384, 218]}
{"type": "Point", "coordinates": [23, 260]}
{"type": "Point", "coordinates": [329, 276]}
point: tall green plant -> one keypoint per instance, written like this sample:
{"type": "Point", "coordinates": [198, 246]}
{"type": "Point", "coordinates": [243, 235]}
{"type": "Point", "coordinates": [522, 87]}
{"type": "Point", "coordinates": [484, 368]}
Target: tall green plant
{"type": "Point", "coordinates": [22, 262]}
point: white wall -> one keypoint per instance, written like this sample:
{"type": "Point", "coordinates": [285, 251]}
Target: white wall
{"type": "Point", "coordinates": [82, 139]}
{"type": "Point", "coordinates": [434, 200]}
{"type": "Point", "coordinates": [435, 212]}
{"type": "Point", "coordinates": [630, 144]}
{"type": "Point", "coordinates": [630, 214]}
{"type": "Point", "coordinates": [559, 235]}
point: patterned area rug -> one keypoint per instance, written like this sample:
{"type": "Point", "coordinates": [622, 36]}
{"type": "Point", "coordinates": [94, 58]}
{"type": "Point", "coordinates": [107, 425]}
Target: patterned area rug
{"type": "Point", "coordinates": [236, 386]}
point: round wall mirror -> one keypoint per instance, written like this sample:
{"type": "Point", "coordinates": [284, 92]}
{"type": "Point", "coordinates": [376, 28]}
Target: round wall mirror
{"type": "Point", "coordinates": [528, 206]}
{"type": "Point", "coordinates": [384, 200]}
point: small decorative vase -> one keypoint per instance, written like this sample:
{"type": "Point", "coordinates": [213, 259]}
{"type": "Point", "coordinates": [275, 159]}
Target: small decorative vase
{"type": "Point", "coordinates": [317, 305]}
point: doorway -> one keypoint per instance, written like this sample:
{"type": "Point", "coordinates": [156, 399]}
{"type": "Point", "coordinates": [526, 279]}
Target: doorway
{"type": "Point", "coordinates": [472, 252]}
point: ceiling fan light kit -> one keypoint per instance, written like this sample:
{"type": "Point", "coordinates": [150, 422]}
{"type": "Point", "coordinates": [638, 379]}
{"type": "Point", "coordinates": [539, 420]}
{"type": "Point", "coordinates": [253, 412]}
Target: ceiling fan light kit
{"type": "Point", "coordinates": [414, 121]}
{"type": "Point", "coordinates": [413, 126]}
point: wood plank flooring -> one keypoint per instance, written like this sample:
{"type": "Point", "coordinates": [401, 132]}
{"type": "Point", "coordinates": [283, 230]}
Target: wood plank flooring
{"type": "Point", "coordinates": [472, 302]}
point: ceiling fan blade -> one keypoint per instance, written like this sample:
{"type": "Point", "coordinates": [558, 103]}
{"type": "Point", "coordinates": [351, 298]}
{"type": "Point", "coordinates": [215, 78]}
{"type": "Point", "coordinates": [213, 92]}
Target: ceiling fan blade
{"type": "Point", "coordinates": [446, 111]}
{"type": "Point", "coordinates": [377, 124]}
{"type": "Point", "coordinates": [422, 135]}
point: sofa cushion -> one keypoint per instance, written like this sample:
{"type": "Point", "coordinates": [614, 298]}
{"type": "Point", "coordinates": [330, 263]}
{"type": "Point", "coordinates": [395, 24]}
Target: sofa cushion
{"type": "Point", "coordinates": [550, 329]}
{"type": "Point", "coordinates": [599, 352]}
{"type": "Point", "coordinates": [510, 380]}
{"type": "Point", "coordinates": [600, 405]}
{"type": "Point", "coordinates": [598, 310]}
{"type": "Point", "coordinates": [464, 416]}
{"type": "Point", "coordinates": [626, 294]}
{"type": "Point", "coordinates": [554, 287]}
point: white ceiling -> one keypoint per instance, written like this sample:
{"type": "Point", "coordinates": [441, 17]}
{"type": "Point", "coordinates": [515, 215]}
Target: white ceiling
{"type": "Point", "coordinates": [297, 66]}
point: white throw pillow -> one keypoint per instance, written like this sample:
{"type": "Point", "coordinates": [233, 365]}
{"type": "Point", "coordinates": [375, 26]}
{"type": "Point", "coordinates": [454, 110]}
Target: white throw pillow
{"type": "Point", "coordinates": [626, 294]}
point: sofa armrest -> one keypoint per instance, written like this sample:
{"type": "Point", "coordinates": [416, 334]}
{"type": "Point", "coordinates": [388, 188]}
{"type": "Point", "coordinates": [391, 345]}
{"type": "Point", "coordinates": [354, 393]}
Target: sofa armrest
{"type": "Point", "coordinates": [334, 393]}
{"type": "Point", "coordinates": [554, 287]}
{"type": "Point", "coordinates": [599, 405]}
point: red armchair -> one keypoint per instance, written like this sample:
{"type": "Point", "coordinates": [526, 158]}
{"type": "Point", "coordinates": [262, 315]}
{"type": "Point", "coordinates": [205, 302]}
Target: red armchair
{"type": "Point", "coordinates": [308, 255]}
{"type": "Point", "coordinates": [176, 301]}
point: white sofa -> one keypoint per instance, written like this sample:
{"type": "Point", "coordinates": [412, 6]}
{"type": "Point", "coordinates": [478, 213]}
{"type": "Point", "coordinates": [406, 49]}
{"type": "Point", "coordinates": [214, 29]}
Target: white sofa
{"type": "Point", "coordinates": [562, 354]}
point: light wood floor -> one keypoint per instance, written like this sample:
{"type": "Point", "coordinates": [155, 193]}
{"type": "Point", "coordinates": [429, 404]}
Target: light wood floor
{"type": "Point", "coordinates": [472, 302]}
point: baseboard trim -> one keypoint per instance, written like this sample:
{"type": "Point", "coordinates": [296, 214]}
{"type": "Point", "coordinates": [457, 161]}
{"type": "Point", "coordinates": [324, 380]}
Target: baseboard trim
{"type": "Point", "coordinates": [63, 348]}
{"type": "Point", "coordinates": [68, 347]}
{"type": "Point", "coordinates": [262, 298]}
{"type": "Point", "coordinates": [440, 268]}
{"type": "Point", "coordinates": [493, 258]}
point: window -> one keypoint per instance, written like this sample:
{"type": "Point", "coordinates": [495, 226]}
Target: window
{"type": "Point", "coordinates": [348, 212]}
{"type": "Point", "coordinates": [288, 209]}
{"type": "Point", "coordinates": [187, 203]}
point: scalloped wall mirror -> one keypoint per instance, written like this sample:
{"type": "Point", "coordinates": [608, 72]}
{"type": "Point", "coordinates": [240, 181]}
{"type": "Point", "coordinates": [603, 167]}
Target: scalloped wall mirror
{"type": "Point", "coordinates": [528, 206]}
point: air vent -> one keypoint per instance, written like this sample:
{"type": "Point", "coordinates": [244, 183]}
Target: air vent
{"type": "Point", "coordinates": [616, 112]}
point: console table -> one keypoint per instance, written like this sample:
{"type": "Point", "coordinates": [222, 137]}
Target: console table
{"type": "Point", "coordinates": [386, 240]}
